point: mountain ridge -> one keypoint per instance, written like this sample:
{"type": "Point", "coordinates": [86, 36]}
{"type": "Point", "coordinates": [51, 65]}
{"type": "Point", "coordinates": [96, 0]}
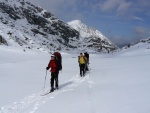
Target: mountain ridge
{"type": "Point", "coordinates": [89, 34]}
{"type": "Point", "coordinates": [23, 24]}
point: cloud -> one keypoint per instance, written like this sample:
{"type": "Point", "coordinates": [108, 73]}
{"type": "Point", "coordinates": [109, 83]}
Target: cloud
{"type": "Point", "coordinates": [120, 9]}
{"type": "Point", "coordinates": [137, 18]}
{"type": "Point", "coordinates": [142, 3]}
{"type": "Point", "coordinates": [141, 31]}
{"type": "Point", "coordinates": [109, 5]}
{"type": "Point", "coordinates": [121, 40]}
{"type": "Point", "coordinates": [128, 9]}
{"type": "Point", "coordinates": [64, 9]}
{"type": "Point", "coordinates": [114, 6]}
{"type": "Point", "coordinates": [123, 8]}
{"type": "Point", "coordinates": [54, 5]}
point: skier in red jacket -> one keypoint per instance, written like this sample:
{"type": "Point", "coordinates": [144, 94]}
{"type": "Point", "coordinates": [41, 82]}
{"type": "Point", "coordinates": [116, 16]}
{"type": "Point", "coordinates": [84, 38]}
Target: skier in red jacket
{"type": "Point", "coordinates": [53, 69]}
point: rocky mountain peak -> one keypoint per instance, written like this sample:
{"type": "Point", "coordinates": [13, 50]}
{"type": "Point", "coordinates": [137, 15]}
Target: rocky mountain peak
{"type": "Point", "coordinates": [23, 24]}
{"type": "Point", "coordinates": [94, 38]}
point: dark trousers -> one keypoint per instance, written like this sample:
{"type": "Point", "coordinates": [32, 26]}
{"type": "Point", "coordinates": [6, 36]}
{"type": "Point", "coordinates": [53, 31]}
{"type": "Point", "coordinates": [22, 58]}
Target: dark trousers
{"type": "Point", "coordinates": [82, 69]}
{"type": "Point", "coordinates": [54, 78]}
{"type": "Point", "coordinates": [86, 67]}
{"type": "Point", "coordinates": [56, 84]}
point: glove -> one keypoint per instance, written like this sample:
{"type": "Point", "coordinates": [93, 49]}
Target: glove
{"type": "Point", "coordinates": [47, 68]}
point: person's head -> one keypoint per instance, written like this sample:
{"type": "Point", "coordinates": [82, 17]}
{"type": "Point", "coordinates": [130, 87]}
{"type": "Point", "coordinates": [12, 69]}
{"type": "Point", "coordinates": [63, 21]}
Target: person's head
{"type": "Point", "coordinates": [52, 56]}
{"type": "Point", "coordinates": [81, 54]}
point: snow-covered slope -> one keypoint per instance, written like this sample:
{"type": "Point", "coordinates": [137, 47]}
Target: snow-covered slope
{"type": "Point", "coordinates": [92, 37]}
{"type": "Point", "coordinates": [114, 84]}
{"type": "Point", "coordinates": [138, 48]}
{"type": "Point", "coordinates": [25, 25]}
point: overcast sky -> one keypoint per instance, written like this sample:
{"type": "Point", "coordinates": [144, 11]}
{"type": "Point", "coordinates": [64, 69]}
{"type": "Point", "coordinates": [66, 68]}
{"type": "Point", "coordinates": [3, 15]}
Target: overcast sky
{"type": "Point", "coordinates": [122, 21]}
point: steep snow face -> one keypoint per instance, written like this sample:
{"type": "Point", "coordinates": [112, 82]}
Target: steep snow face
{"type": "Point", "coordinates": [25, 25]}
{"type": "Point", "coordinates": [91, 36]}
{"type": "Point", "coordinates": [84, 30]}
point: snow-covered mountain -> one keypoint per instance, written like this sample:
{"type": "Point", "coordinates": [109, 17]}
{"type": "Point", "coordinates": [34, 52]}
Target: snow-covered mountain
{"type": "Point", "coordinates": [135, 49]}
{"type": "Point", "coordinates": [92, 37]}
{"type": "Point", "coordinates": [143, 43]}
{"type": "Point", "coordinates": [25, 25]}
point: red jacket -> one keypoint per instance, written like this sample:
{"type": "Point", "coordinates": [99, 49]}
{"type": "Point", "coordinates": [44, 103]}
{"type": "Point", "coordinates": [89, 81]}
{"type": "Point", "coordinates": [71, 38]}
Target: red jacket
{"type": "Point", "coordinates": [52, 65]}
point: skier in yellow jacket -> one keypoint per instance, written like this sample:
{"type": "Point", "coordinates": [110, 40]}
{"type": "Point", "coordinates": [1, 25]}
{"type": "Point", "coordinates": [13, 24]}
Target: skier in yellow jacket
{"type": "Point", "coordinates": [82, 60]}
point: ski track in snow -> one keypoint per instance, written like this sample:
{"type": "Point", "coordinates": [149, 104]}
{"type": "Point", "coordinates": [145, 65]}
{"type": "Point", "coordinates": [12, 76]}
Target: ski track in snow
{"type": "Point", "coordinates": [31, 103]}
{"type": "Point", "coordinates": [90, 85]}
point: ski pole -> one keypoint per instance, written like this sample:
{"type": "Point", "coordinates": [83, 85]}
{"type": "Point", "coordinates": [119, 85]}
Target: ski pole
{"type": "Point", "coordinates": [45, 81]}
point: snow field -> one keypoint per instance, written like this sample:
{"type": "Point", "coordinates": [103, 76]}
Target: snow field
{"type": "Point", "coordinates": [117, 83]}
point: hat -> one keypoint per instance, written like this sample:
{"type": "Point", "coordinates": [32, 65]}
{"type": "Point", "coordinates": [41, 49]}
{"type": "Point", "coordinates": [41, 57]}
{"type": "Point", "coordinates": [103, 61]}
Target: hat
{"type": "Point", "coordinates": [52, 55]}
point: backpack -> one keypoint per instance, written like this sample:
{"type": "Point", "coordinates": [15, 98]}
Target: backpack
{"type": "Point", "coordinates": [82, 60]}
{"type": "Point", "coordinates": [86, 55]}
{"type": "Point", "coordinates": [58, 60]}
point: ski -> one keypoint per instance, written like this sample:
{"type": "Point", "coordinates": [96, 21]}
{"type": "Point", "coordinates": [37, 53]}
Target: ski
{"type": "Point", "coordinates": [45, 93]}
{"type": "Point", "coordinates": [48, 92]}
